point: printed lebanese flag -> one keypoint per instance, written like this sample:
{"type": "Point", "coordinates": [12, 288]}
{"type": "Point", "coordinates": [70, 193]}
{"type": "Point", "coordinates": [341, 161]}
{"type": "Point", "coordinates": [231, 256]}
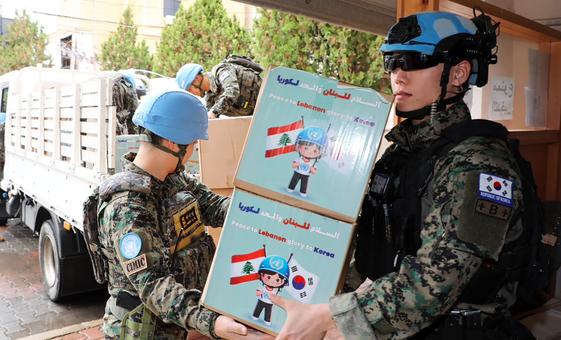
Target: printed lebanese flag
{"type": "Point", "coordinates": [244, 267]}
{"type": "Point", "coordinates": [280, 139]}
{"type": "Point", "coordinates": [303, 283]}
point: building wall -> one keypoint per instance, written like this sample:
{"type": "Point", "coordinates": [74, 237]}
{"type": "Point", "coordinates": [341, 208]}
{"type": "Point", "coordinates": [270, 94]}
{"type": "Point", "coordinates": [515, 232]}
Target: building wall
{"type": "Point", "coordinates": [90, 22]}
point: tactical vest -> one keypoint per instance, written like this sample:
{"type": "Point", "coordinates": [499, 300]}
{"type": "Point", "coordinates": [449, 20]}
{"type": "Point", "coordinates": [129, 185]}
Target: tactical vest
{"type": "Point", "coordinates": [182, 231]}
{"type": "Point", "coordinates": [249, 82]}
{"type": "Point", "coordinates": [91, 237]}
{"type": "Point", "coordinates": [392, 215]}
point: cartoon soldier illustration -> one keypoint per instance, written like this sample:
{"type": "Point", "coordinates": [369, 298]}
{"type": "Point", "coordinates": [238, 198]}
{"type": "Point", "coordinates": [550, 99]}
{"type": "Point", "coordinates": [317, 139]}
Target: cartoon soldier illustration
{"type": "Point", "coordinates": [273, 274]}
{"type": "Point", "coordinates": [310, 143]}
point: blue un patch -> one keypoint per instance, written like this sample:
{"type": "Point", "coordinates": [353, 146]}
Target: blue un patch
{"type": "Point", "coordinates": [130, 245]}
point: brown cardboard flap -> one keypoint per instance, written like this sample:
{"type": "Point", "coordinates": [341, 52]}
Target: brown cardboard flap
{"type": "Point", "coordinates": [220, 154]}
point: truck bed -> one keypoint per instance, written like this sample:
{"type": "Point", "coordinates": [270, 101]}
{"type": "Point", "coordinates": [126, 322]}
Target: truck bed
{"type": "Point", "coordinates": [60, 139]}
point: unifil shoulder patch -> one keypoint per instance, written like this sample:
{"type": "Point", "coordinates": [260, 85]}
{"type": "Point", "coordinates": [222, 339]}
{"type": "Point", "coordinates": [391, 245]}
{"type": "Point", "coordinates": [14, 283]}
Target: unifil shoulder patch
{"type": "Point", "coordinates": [130, 245]}
{"type": "Point", "coordinates": [135, 265]}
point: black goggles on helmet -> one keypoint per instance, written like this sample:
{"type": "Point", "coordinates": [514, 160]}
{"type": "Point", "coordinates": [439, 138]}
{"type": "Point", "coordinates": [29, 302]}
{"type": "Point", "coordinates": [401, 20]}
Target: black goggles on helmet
{"type": "Point", "coordinates": [409, 61]}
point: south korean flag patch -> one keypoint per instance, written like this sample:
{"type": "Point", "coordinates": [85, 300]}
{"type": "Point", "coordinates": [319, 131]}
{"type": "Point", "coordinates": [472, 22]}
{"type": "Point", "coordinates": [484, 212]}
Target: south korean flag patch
{"type": "Point", "coordinates": [495, 189]}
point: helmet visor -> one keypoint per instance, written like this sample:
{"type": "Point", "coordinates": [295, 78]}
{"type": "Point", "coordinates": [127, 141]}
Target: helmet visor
{"type": "Point", "coordinates": [409, 61]}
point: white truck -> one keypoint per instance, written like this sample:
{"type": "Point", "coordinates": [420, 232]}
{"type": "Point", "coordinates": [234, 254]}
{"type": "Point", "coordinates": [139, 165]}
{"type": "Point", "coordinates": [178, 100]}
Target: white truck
{"type": "Point", "coordinates": [60, 143]}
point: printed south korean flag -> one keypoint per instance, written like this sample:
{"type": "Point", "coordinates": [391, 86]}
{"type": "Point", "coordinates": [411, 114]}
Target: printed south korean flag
{"type": "Point", "coordinates": [496, 189]}
{"type": "Point", "coordinates": [302, 283]}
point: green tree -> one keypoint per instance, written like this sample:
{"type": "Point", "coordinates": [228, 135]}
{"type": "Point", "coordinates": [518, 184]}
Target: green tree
{"type": "Point", "coordinates": [285, 140]}
{"type": "Point", "coordinates": [284, 39]}
{"type": "Point", "coordinates": [248, 268]}
{"type": "Point", "coordinates": [333, 51]}
{"type": "Point", "coordinates": [23, 45]}
{"type": "Point", "coordinates": [121, 50]}
{"type": "Point", "coordinates": [202, 34]}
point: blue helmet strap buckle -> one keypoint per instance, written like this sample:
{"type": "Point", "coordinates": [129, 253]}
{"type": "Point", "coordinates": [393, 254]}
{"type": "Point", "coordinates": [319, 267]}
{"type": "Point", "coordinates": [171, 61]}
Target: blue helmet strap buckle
{"type": "Point", "coordinates": [180, 154]}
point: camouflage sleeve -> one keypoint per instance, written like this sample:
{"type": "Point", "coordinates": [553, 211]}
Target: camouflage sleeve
{"type": "Point", "coordinates": [148, 271]}
{"type": "Point", "coordinates": [231, 91]}
{"type": "Point", "coordinates": [213, 206]}
{"type": "Point", "coordinates": [456, 236]}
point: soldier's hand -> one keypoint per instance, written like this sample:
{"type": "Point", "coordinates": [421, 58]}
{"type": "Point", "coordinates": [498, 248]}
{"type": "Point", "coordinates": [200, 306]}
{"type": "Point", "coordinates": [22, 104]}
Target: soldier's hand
{"type": "Point", "coordinates": [303, 321]}
{"type": "Point", "coordinates": [225, 327]}
{"type": "Point", "coordinates": [211, 115]}
{"type": "Point", "coordinates": [333, 334]}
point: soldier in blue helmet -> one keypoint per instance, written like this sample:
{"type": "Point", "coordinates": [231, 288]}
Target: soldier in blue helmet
{"type": "Point", "coordinates": [273, 274]}
{"type": "Point", "coordinates": [192, 78]}
{"type": "Point", "coordinates": [436, 247]}
{"type": "Point", "coordinates": [310, 143]}
{"type": "Point", "coordinates": [230, 88]}
{"type": "Point", "coordinates": [151, 246]}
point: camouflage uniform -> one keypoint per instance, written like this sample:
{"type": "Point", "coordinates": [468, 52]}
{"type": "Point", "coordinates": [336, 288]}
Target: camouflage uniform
{"type": "Point", "coordinates": [455, 238]}
{"type": "Point", "coordinates": [237, 88]}
{"type": "Point", "coordinates": [126, 101]}
{"type": "Point", "coordinates": [169, 284]}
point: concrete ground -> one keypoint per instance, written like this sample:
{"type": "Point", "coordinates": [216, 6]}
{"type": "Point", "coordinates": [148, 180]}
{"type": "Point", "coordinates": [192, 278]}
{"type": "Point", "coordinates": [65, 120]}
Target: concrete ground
{"type": "Point", "coordinates": [26, 312]}
{"type": "Point", "coordinates": [24, 307]}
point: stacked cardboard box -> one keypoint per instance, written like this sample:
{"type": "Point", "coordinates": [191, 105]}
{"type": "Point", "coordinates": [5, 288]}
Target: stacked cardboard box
{"type": "Point", "coordinates": [298, 190]}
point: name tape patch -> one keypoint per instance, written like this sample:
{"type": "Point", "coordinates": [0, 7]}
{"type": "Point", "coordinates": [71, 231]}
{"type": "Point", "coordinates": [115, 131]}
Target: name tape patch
{"type": "Point", "coordinates": [492, 209]}
{"type": "Point", "coordinates": [495, 189]}
{"type": "Point", "coordinates": [135, 265]}
{"type": "Point", "coordinates": [188, 224]}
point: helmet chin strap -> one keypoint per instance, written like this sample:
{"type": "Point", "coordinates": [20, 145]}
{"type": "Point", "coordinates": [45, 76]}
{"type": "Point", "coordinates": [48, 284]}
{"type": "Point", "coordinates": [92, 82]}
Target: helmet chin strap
{"type": "Point", "coordinates": [179, 154]}
{"type": "Point", "coordinates": [439, 104]}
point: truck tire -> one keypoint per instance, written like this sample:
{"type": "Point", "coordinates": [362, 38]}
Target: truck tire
{"type": "Point", "coordinates": [65, 264]}
{"type": "Point", "coordinates": [50, 261]}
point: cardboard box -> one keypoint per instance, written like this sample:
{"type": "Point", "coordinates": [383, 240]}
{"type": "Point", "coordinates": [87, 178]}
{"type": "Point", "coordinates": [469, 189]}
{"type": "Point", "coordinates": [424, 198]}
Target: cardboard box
{"type": "Point", "coordinates": [299, 186]}
{"type": "Point", "coordinates": [311, 249]}
{"type": "Point", "coordinates": [219, 156]}
{"type": "Point", "coordinates": [313, 142]}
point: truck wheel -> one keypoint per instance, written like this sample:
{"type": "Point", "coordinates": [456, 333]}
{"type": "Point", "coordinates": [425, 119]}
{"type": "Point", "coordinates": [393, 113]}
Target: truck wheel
{"type": "Point", "coordinates": [49, 258]}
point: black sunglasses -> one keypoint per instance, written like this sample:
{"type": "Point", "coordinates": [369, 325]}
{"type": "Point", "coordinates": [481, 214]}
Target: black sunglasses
{"type": "Point", "coordinates": [409, 61]}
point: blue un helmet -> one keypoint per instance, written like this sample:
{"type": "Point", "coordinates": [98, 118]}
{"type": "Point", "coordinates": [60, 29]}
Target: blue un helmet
{"type": "Point", "coordinates": [314, 135]}
{"type": "Point", "coordinates": [276, 264]}
{"type": "Point", "coordinates": [427, 39]}
{"type": "Point", "coordinates": [186, 74]}
{"type": "Point", "coordinates": [136, 85]}
{"type": "Point", "coordinates": [173, 114]}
